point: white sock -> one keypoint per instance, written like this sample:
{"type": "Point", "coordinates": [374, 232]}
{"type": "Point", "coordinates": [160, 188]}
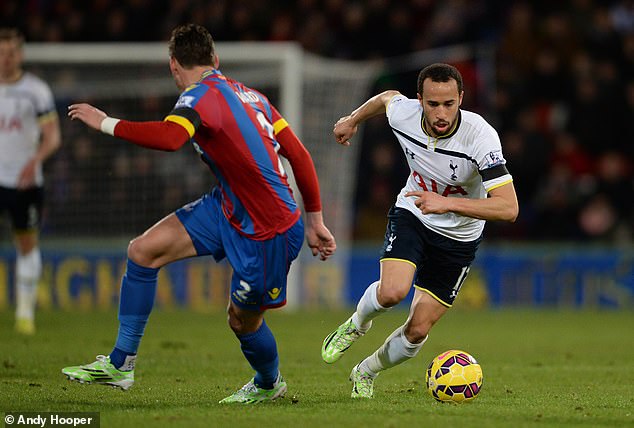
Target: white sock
{"type": "Point", "coordinates": [128, 363]}
{"type": "Point", "coordinates": [395, 350]}
{"type": "Point", "coordinates": [368, 308]}
{"type": "Point", "coordinates": [27, 272]}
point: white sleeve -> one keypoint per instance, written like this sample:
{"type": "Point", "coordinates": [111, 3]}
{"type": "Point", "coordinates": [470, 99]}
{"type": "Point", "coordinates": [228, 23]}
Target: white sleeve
{"type": "Point", "coordinates": [393, 107]}
{"type": "Point", "coordinates": [491, 162]}
{"type": "Point", "coordinates": [45, 102]}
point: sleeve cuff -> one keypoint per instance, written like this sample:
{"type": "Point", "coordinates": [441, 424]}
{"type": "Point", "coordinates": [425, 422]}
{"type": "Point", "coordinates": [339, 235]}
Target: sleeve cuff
{"type": "Point", "coordinates": [108, 125]}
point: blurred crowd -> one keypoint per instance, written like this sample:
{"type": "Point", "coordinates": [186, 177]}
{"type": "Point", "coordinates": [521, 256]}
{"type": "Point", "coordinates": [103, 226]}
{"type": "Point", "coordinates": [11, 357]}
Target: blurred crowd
{"type": "Point", "coordinates": [563, 105]}
{"type": "Point", "coordinates": [563, 99]}
{"type": "Point", "coordinates": [339, 28]}
{"type": "Point", "coordinates": [101, 186]}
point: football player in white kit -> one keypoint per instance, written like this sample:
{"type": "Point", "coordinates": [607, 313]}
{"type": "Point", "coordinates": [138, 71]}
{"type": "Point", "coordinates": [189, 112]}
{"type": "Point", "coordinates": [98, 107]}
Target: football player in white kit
{"type": "Point", "coordinates": [458, 180]}
{"type": "Point", "coordinates": [29, 134]}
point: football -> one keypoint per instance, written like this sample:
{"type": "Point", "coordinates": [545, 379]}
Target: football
{"type": "Point", "coordinates": [454, 376]}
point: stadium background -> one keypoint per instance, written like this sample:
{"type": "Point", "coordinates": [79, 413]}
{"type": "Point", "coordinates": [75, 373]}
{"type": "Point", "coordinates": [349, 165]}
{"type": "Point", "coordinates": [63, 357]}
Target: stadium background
{"type": "Point", "coordinates": [555, 80]}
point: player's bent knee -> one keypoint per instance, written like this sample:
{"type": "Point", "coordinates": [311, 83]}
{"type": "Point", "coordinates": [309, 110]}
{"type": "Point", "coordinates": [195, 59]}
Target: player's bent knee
{"type": "Point", "coordinates": [243, 322]}
{"type": "Point", "coordinates": [238, 325]}
{"type": "Point", "coordinates": [134, 250]}
{"type": "Point", "coordinates": [390, 296]}
{"type": "Point", "coordinates": [416, 333]}
{"type": "Point", "coordinates": [139, 254]}
{"type": "Point", "coordinates": [26, 242]}
{"type": "Point", "coordinates": [234, 324]}
{"type": "Point", "coordinates": [234, 320]}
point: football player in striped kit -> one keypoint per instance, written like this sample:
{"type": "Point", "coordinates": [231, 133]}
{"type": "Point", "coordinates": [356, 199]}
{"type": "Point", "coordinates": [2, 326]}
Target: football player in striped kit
{"type": "Point", "coordinates": [458, 180]}
{"type": "Point", "coordinates": [29, 135]}
{"type": "Point", "coordinates": [250, 218]}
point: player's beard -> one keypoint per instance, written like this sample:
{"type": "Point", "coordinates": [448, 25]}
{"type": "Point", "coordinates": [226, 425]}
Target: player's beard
{"type": "Point", "coordinates": [446, 128]}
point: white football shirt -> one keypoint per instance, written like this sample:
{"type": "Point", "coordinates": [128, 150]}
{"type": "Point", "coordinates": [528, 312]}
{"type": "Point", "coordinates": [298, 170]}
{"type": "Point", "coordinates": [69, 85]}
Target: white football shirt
{"type": "Point", "coordinates": [467, 163]}
{"type": "Point", "coordinates": [23, 104]}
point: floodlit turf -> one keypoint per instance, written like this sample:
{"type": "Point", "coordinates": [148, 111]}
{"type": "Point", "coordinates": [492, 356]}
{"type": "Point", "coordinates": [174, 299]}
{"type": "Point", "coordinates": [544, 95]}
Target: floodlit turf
{"type": "Point", "coordinates": [541, 368]}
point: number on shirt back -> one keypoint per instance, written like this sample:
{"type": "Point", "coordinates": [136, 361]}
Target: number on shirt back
{"type": "Point", "coordinates": [268, 127]}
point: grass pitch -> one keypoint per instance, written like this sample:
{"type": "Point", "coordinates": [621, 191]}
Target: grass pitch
{"type": "Point", "coordinates": [541, 368]}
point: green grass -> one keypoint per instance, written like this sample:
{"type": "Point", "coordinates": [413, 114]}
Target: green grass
{"type": "Point", "coordinates": [541, 368]}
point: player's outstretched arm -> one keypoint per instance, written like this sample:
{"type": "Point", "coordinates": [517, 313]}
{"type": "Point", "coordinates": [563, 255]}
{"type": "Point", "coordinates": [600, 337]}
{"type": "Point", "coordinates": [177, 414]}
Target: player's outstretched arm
{"type": "Point", "coordinates": [318, 237]}
{"type": "Point", "coordinates": [347, 126]}
{"type": "Point", "coordinates": [166, 135]}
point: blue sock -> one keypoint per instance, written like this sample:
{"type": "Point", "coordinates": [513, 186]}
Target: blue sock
{"type": "Point", "coordinates": [138, 289]}
{"type": "Point", "coordinates": [260, 350]}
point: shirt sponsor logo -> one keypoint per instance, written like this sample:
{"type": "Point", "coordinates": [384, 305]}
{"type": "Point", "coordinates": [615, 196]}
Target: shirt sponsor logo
{"type": "Point", "coordinates": [433, 186]}
{"type": "Point", "coordinates": [10, 124]}
{"type": "Point", "coordinates": [274, 293]}
{"type": "Point", "coordinates": [494, 158]}
{"type": "Point", "coordinates": [185, 101]}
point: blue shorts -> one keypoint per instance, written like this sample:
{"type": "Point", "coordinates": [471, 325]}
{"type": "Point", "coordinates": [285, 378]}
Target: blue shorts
{"type": "Point", "coordinates": [259, 267]}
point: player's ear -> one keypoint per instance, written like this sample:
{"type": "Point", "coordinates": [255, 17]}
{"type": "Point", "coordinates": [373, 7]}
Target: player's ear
{"type": "Point", "coordinates": [216, 61]}
{"type": "Point", "coordinates": [460, 98]}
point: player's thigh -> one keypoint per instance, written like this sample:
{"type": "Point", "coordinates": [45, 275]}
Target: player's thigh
{"type": "Point", "coordinates": [446, 267]}
{"type": "Point", "coordinates": [403, 250]}
{"type": "Point", "coordinates": [395, 281]}
{"type": "Point", "coordinates": [260, 268]}
{"type": "Point", "coordinates": [442, 281]}
{"type": "Point", "coordinates": [164, 242]}
{"type": "Point", "coordinates": [203, 220]}
{"type": "Point", "coordinates": [425, 311]}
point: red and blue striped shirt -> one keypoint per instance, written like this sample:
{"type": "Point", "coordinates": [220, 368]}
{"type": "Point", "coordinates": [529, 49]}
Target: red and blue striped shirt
{"type": "Point", "coordinates": [239, 135]}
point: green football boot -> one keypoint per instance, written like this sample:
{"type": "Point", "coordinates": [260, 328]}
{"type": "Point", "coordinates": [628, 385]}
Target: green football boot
{"type": "Point", "coordinates": [250, 393]}
{"type": "Point", "coordinates": [362, 383]}
{"type": "Point", "coordinates": [337, 342]}
{"type": "Point", "coordinates": [25, 326]}
{"type": "Point", "coordinates": [100, 372]}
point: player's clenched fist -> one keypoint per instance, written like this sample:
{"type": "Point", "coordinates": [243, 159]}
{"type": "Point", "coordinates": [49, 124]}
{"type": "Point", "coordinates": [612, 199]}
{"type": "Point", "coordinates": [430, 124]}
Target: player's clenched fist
{"type": "Point", "coordinates": [344, 129]}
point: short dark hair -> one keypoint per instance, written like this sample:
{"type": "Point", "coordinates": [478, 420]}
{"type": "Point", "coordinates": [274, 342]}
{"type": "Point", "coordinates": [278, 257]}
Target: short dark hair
{"type": "Point", "coordinates": [439, 72]}
{"type": "Point", "coordinates": [11, 34]}
{"type": "Point", "coordinates": [192, 45]}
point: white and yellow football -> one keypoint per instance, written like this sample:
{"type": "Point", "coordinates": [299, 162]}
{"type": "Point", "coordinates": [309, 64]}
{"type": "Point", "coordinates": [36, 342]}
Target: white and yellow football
{"type": "Point", "coordinates": [454, 376]}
